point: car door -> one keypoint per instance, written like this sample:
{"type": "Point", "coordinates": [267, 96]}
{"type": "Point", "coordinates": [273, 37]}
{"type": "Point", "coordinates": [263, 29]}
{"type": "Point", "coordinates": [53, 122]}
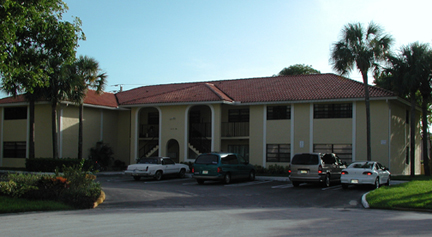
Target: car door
{"type": "Point", "coordinates": [231, 165]}
{"type": "Point", "coordinates": [169, 166]}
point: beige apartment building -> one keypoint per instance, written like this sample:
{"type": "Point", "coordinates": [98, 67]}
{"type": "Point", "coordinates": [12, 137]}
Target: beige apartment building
{"type": "Point", "coordinates": [267, 120]}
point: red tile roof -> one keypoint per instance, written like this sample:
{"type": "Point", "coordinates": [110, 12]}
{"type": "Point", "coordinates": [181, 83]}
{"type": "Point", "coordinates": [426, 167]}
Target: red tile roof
{"type": "Point", "coordinates": [92, 98]}
{"type": "Point", "coordinates": [254, 90]}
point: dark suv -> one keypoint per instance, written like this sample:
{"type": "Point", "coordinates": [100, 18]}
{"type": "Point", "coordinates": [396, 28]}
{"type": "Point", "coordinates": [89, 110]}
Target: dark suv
{"type": "Point", "coordinates": [315, 168]}
{"type": "Point", "coordinates": [222, 166]}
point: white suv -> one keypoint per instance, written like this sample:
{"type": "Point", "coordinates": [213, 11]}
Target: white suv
{"type": "Point", "coordinates": [315, 168]}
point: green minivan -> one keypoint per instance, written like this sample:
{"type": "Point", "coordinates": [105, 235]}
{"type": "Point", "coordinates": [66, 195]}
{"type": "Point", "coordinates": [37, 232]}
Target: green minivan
{"type": "Point", "coordinates": [222, 166]}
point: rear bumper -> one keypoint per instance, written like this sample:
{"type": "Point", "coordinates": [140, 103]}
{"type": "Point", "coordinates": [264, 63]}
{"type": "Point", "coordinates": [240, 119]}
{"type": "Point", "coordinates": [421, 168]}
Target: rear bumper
{"type": "Point", "coordinates": [305, 179]}
{"type": "Point", "coordinates": [370, 180]}
{"type": "Point", "coordinates": [208, 177]}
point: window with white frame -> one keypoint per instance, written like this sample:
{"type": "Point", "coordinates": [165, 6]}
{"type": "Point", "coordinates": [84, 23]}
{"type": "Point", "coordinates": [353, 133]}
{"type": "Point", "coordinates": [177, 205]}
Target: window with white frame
{"type": "Point", "coordinates": [278, 153]}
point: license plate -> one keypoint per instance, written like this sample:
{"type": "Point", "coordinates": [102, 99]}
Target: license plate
{"type": "Point", "coordinates": [205, 171]}
{"type": "Point", "coordinates": [303, 171]}
{"type": "Point", "coordinates": [354, 181]}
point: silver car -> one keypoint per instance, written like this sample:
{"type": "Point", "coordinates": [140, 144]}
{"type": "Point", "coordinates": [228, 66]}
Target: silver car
{"type": "Point", "coordinates": [315, 168]}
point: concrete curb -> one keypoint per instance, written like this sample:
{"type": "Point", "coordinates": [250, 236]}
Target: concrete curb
{"type": "Point", "coordinates": [364, 201]}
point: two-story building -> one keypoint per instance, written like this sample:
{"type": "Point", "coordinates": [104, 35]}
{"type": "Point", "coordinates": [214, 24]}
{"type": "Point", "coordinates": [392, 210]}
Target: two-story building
{"type": "Point", "coordinates": [267, 120]}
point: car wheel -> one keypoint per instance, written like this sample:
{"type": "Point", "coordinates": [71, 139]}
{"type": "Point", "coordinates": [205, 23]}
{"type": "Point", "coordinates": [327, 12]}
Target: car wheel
{"type": "Point", "coordinates": [158, 175]}
{"type": "Point", "coordinates": [345, 186]}
{"type": "Point", "coordinates": [388, 181]}
{"type": "Point", "coordinates": [227, 178]}
{"type": "Point", "coordinates": [182, 173]}
{"type": "Point", "coordinates": [252, 175]}
{"type": "Point", "coordinates": [327, 181]}
{"type": "Point", "coordinates": [137, 177]}
{"type": "Point", "coordinates": [200, 181]}
{"type": "Point", "coordinates": [377, 183]}
{"type": "Point", "coordinates": [295, 184]}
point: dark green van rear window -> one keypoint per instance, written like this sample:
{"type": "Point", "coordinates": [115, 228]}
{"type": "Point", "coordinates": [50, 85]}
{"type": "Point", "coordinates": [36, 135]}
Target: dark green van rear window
{"type": "Point", "coordinates": [207, 159]}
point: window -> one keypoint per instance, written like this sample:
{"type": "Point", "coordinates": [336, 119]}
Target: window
{"type": "Point", "coordinates": [278, 112]}
{"type": "Point", "coordinates": [343, 151]}
{"type": "Point", "coordinates": [278, 153]}
{"type": "Point", "coordinates": [242, 150]}
{"type": "Point", "coordinates": [195, 116]}
{"type": "Point", "coordinates": [229, 160]}
{"type": "Point", "coordinates": [13, 113]}
{"type": "Point", "coordinates": [14, 149]}
{"type": "Point", "coordinates": [333, 111]}
{"type": "Point", "coordinates": [238, 115]}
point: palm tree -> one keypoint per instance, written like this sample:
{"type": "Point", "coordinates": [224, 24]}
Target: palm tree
{"type": "Point", "coordinates": [363, 48]}
{"type": "Point", "coordinates": [412, 69]}
{"type": "Point", "coordinates": [58, 90]}
{"type": "Point", "coordinates": [85, 73]}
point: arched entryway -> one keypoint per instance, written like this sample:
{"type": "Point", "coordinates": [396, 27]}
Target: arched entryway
{"type": "Point", "coordinates": [173, 150]}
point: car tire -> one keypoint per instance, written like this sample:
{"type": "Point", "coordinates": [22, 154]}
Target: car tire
{"type": "Point", "coordinates": [200, 181]}
{"type": "Point", "coordinates": [295, 184]}
{"type": "Point", "coordinates": [227, 178]}
{"type": "Point", "coordinates": [377, 183]}
{"type": "Point", "coordinates": [388, 181]}
{"type": "Point", "coordinates": [345, 186]}
{"type": "Point", "coordinates": [252, 175]}
{"type": "Point", "coordinates": [327, 181]}
{"type": "Point", "coordinates": [182, 173]}
{"type": "Point", "coordinates": [158, 175]}
{"type": "Point", "coordinates": [137, 177]}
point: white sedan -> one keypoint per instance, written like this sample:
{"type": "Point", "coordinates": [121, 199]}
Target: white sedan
{"type": "Point", "coordinates": [156, 167]}
{"type": "Point", "coordinates": [365, 172]}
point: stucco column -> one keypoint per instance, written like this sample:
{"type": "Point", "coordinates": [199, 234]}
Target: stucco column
{"type": "Point", "coordinates": [134, 135]}
{"type": "Point", "coordinates": [216, 127]}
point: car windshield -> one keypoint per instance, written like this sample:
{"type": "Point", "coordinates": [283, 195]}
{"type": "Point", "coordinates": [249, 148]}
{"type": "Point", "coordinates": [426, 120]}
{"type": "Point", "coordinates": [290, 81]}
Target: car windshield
{"type": "Point", "coordinates": [148, 161]}
{"type": "Point", "coordinates": [207, 159]}
{"type": "Point", "coordinates": [305, 159]}
{"type": "Point", "coordinates": [361, 165]}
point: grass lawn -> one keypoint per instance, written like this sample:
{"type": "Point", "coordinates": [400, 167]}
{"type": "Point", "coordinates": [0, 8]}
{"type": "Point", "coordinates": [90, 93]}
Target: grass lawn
{"type": "Point", "coordinates": [416, 194]}
{"type": "Point", "coordinates": [12, 205]}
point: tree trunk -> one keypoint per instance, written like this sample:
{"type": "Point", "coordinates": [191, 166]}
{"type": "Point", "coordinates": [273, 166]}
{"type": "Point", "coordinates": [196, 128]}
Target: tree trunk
{"type": "Point", "coordinates": [80, 132]}
{"type": "Point", "coordinates": [31, 130]}
{"type": "Point", "coordinates": [368, 122]}
{"type": "Point", "coordinates": [54, 129]}
{"type": "Point", "coordinates": [412, 134]}
{"type": "Point", "coordinates": [425, 138]}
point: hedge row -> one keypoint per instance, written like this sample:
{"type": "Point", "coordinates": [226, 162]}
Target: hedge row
{"type": "Point", "coordinates": [50, 164]}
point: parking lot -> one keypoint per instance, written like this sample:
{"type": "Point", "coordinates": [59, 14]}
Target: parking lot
{"type": "Point", "coordinates": [124, 192]}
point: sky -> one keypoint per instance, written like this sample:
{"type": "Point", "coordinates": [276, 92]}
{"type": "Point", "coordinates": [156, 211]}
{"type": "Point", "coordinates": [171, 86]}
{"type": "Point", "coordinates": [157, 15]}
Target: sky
{"type": "Point", "coordinates": [150, 42]}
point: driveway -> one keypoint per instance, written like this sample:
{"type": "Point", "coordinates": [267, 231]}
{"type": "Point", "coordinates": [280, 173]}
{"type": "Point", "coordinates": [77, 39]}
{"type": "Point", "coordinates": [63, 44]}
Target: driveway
{"type": "Point", "coordinates": [180, 207]}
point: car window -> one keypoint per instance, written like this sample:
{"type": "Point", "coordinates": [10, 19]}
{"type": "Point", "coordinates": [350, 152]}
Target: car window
{"type": "Point", "coordinates": [167, 162]}
{"type": "Point", "coordinates": [207, 159]}
{"type": "Point", "coordinates": [362, 165]}
{"type": "Point", "coordinates": [229, 159]}
{"type": "Point", "coordinates": [148, 161]}
{"type": "Point", "coordinates": [305, 159]}
{"type": "Point", "coordinates": [329, 159]}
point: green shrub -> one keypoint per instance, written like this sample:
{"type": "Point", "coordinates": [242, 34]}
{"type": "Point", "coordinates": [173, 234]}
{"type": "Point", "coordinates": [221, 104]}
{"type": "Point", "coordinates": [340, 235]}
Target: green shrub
{"type": "Point", "coordinates": [18, 185]}
{"type": "Point", "coordinates": [101, 154]}
{"type": "Point", "coordinates": [82, 190]}
{"type": "Point", "coordinates": [277, 169]}
{"type": "Point", "coordinates": [260, 169]}
{"type": "Point", "coordinates": [50, 164]}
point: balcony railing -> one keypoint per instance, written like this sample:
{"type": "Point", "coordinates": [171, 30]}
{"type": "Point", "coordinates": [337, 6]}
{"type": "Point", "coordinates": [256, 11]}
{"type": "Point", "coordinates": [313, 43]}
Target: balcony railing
{"type": "Point", "coordinates": [235, 129]}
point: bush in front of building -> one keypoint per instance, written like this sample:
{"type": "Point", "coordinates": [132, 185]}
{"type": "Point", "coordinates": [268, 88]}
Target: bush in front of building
{"type": "Point", "coordinates": [51, 164]}
{"type": "Point", "coordinates": [271, 170]}
{"type": "Point", "coordinates": [74, 187]}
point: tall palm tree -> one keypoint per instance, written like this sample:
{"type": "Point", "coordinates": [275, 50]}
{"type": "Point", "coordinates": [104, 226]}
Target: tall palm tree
{"type": "Point", "coordinates": [85, 74]}
{"type": "Point", "coordinates": [364, 49]}
{"type": "Point", "coordinates": [58, 90]}
{"type": "Point", "coordinates": [412, 69]}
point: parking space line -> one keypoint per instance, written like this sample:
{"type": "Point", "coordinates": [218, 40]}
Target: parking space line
{"type": "Point", "coordinates": [283, 186]}
{"type": "Point", "coordinates": [333, 188]}
{"type": "Point", "coordinates": [248, 183]}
